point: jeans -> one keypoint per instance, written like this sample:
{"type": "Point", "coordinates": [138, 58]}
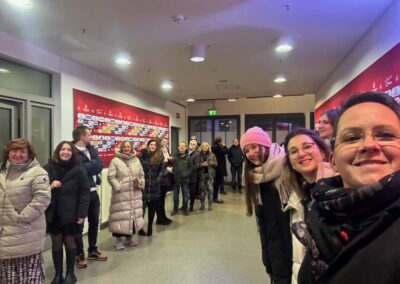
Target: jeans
{"type": "Point", "coordinates": [185, 193]}
{"type": "Point", "coordinates": [236, 173]}
{"type": "Point", "coordinates": [93, 219]}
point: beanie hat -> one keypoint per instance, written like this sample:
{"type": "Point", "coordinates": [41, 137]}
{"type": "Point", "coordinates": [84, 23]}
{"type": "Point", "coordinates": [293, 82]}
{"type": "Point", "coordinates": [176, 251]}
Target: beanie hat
{"type": "Point", "coordinates": [255, 135]}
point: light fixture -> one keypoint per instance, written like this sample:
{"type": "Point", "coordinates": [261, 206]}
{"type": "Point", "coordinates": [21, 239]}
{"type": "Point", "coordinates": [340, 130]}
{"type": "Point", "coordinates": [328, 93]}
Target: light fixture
{"type": "Point", "coordinates": [4, 71]}
{"type": "Point", "coordinates": [283, 44]}
{"type": "Point", "coordinates": [280, 79]}
{"type": "Point", "coordinates": [278, 96]}
{"type": "Point", "coordinates": [166, 85]}
{"type": "Point", "coordinates": [190, 99]}
{"type": "Point", "coordinates": [232, 100]}
{"type": "Point", "coordinates": [198, 53]}
{"type": "Point", "coordinates": [123, 59]}
{"type": "Point", "coordinates": [26, 4]}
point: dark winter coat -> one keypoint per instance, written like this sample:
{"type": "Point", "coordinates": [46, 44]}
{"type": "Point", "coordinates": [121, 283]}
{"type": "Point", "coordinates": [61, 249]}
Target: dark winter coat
{"type": "Point", "coordinates": [358, 238]}
{"type": "Point", "coordinates": [195, 165]}
{"type": "Point", "coordinates": [153, 175]}
{"type": "Point", "coordinates": [182, 168]}
{"type": "Point", "coordinates": [210, 170]}
{"type": "Point", "coordinates": [93, 167]}
{"type": "Point", "coordinates": [235, 156]}
{"type": "Point", "coordinates": [71, 200]}
{"type": "Point", "coordinates": [275, 235]}
{"type": "Point", "coordinates": [220, 153]}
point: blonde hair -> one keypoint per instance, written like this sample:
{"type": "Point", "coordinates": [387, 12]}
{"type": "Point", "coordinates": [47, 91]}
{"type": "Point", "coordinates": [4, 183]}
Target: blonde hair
{"type": "Point", "coordinates": [205, 144]}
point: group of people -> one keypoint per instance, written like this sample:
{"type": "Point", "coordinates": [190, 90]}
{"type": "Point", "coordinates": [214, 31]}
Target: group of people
{"type": "Point", "coordinates": [328, 204]}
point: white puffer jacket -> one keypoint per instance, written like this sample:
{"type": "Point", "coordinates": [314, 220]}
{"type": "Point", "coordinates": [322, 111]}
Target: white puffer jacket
{"type": "Point", "coordinates": [24, 196]}
{"type": "Point", "coordinates": [126, 202]}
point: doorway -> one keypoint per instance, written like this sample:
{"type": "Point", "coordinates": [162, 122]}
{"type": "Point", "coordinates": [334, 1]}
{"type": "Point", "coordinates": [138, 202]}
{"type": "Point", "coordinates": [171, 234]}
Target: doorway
{"type": "Point", "coordinates": [174, 140]}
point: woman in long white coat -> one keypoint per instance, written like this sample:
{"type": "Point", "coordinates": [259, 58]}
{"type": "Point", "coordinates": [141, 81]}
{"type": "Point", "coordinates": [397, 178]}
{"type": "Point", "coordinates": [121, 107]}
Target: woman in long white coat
{"type": "Point", "coordinates": [126, 178]}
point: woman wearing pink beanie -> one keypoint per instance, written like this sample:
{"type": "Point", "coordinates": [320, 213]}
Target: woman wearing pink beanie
{"type": "Point", "coordinates": [265, 194]}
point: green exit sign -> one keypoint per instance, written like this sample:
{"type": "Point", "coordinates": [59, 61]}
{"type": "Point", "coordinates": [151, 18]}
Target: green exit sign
{"type": "Point", "coordinates": [212, 112]}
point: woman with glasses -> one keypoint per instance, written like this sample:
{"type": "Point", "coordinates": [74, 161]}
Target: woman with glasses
{"type": "Point", "coordinates": [354, 222]}
{"type": "Point", "coordinates": [306, 153]}
{"type": "Point", "coordinates": [265, 192]}
{"type": "Point", "coordinates": [326, 123]}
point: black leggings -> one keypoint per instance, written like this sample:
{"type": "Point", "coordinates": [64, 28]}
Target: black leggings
{"type": "Point", "coordinates": [154, 206]}
{"type": "Point", "coordinates": [59, 239]}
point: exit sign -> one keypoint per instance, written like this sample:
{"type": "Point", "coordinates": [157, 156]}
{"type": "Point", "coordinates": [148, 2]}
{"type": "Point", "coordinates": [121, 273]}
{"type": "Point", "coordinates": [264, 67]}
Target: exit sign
{"type": "Point", "coordinates": [212, 112]}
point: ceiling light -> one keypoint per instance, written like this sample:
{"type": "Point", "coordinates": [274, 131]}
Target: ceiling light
{"type": "Point", "coordinates": [27, 4]}
{"type": "Point", "coordinates": [124, 59]}
{"type": "Point", "coordinates": [278, 96]}
{"type": "Point", "coordinates": [166, 85]}
{"type": "Point", "coordinates": [283, 44]}
{"type": "Point", "coordinates": [2, 70]}
{"type": "Point", "coordinates": [231, 100]}
{"type": "Point", "coordinates": [280, 79]}
{"type": "Point", "coordinates": [198, 53]}
{"type": "Point", "coordinates": [190, 99]}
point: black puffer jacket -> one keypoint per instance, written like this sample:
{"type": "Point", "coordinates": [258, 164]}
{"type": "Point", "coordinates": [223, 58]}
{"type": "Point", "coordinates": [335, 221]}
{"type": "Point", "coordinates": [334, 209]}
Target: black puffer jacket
{"type": "Point", "coordinates": [275, 235]}
{"type": "Point", "coordinates": [356, 232]}
{"type": "Point", "coordinates": [153, 175]}
{"type": "Point", "coordinates": [220, 153]}
{"type": "Point", "coordinates": [235, 156]}
{"type": "Point", "coordinates": [71, 201]}
{"type": "Point", "coordinates": [195, 164]}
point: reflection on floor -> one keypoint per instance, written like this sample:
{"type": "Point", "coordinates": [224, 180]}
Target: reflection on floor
{"type": "Point", "coordinates": [219, 246]}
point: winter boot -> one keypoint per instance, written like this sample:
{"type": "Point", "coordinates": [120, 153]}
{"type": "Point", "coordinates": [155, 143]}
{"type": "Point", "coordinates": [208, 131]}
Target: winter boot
{"type": "Point", "coordinates": [58, 266]}
{"type": "Point", "coordinates": [70, 277]}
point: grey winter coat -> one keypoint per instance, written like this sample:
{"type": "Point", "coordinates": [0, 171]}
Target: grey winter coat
{"type": "Point", "coordinates": [24, 197]}
{"type": "Point", "coordinates": [126, 206]}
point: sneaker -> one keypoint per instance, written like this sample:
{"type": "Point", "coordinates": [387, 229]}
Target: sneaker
{"type": "Point", "coordinates": [130, 241]}
{"type": "Point", "coordinates": [174, 212]}
{"type": "Point", "coordinates": [119, 244]}
{"type": "Point", "coordinates": [81, 261]}
{"type": "Point", "coordinates": [96, 255]}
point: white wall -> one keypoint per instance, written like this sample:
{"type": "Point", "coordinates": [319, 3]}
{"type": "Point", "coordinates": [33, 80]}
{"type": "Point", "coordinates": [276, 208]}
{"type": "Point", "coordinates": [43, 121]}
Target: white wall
{"type": "Point", "coordinates": [379, 39]}
{"type": "Point", "coordinates": [296, 104]}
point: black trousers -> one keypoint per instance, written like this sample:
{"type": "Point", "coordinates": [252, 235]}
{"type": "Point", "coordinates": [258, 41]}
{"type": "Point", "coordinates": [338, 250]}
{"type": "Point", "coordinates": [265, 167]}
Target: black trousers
{"type": "Point", "coordinates": [161, 216]}
{"type": "Point", "coordinates": [236, 173]}
{"type": "Point", "coordinates": [93, 219]}
{"type": "Point", "coordinates": [218, 185]}
{"type": "Point", "coordinates": [154, 207]}
{"type": "Point", "coordinates": [193, 192]}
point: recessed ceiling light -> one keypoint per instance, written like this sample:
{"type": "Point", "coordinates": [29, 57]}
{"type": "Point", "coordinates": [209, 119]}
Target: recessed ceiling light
{"type": "Point", "coordinates": [280, 79]}
{"type": "Point", "coordinates": [167, 85]}
{"type": "Point", "coordinates": [27, 4]}
{"type": "Point", "coordinates": [283, 48]}
{"type": "Point", "coordinates": [123, 60]}
{"type": "Point", "coordinates": [2, 70]}
{"type": "Point", "coordinates": [231, 100]}
{"type": "Point", "coordinates": [190, 99]}
{"type": "Point", "coordinates": [278, 96]}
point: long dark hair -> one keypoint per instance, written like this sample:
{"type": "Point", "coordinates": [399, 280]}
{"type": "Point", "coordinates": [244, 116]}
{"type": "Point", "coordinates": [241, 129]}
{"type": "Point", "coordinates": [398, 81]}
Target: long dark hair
{"type": "Point", "coordinates": [157, 156]}
{"type": "Point", "coordinates": [75, 159]}
{"type": "Point", "coordinates": [294, 178]}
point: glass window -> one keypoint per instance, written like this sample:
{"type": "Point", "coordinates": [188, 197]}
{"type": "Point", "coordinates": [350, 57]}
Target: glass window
{"type": "Point", "coordinates": [41, 133]}
{"type": "Point", "coordinates": [24, 79]}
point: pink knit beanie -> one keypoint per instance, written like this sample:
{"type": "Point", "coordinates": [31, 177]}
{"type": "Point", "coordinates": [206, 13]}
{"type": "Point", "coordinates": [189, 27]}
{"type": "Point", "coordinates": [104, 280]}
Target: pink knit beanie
{"type": "Point", "coordinates": [255, 135]}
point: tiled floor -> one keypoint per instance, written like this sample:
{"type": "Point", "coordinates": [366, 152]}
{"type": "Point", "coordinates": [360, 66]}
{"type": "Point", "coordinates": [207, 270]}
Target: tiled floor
{"type": "Point", "coordinates": [219, 246]}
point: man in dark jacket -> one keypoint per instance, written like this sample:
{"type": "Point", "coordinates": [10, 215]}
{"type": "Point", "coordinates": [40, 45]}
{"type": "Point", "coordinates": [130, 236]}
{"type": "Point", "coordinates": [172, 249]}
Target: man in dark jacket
{"type": "Point", "coordinates": [93, 166]}
{"type": "Point", "coordinates": [220, 150]}
{"type": "Point", "coordinates": [181, 170]}
{"type": "Point", "coordinates": [195, 164]}
{"type": "Point", "coordinates": [236, 158]}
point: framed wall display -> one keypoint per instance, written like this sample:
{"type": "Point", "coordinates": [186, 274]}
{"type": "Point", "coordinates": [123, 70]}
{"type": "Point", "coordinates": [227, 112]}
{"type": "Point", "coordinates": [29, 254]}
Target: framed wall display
{"type": "Point", "coordinates": [381, 76]}
{"type": "Point", "coordinates": [112, 122]}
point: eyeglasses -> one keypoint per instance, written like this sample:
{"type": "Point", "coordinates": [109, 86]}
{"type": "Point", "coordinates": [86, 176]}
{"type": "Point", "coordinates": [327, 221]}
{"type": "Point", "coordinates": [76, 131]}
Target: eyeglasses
{"type": "Point", "coordinates": [307, 148]}
{"type": "Point", "coordinates": [355, 140]}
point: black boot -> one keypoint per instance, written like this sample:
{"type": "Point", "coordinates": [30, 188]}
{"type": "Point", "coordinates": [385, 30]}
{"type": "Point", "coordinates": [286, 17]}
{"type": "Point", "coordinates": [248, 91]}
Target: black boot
{"type": "Point", "coordinates": [149, 230]}
{"type": "Point", "coordinates": [70, 277]}
{"type": "Point", "coordinates": [58, 266]}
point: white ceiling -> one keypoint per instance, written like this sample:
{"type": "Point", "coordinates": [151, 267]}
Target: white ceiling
{"type": "Point", "coordinates": [240, 61]}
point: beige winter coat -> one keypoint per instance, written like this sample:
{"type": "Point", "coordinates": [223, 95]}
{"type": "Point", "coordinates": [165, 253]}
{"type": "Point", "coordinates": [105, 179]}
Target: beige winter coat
{"type": "Point", "coordinates": [24, 197]}
{"type": "Point", "coordinates": [126, 202]}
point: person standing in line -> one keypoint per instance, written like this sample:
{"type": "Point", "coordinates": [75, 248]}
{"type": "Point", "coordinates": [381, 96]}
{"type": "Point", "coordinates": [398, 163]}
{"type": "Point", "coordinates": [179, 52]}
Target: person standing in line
{"type": "Point", "coordinates": [236, 159]}
{"type": "Point", "coordinates": [24, 196]}
{"type": "Point", "coordinates": [208, 162]}
{"type": "Point", "coordinates": [93, 166]}
{"type": "Point", "coordinates": [166, 182]}
{"type": "Point", "coordinates": [326, 124]}
{"type": "Point", "coordinates": [220, 151]}
{"type": "Point", "coordinates": [69, 206]}
{"type": "Point", "coordinates": [126, 178]}
{"type": "Point", "coordinates": [265, 194]}
{"type": "Point", "coordinates": [182, 170]}
{"type": "Point", "coordinates": [152, 161]}
{"type": "Point", "coordinates": [193, 180]}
